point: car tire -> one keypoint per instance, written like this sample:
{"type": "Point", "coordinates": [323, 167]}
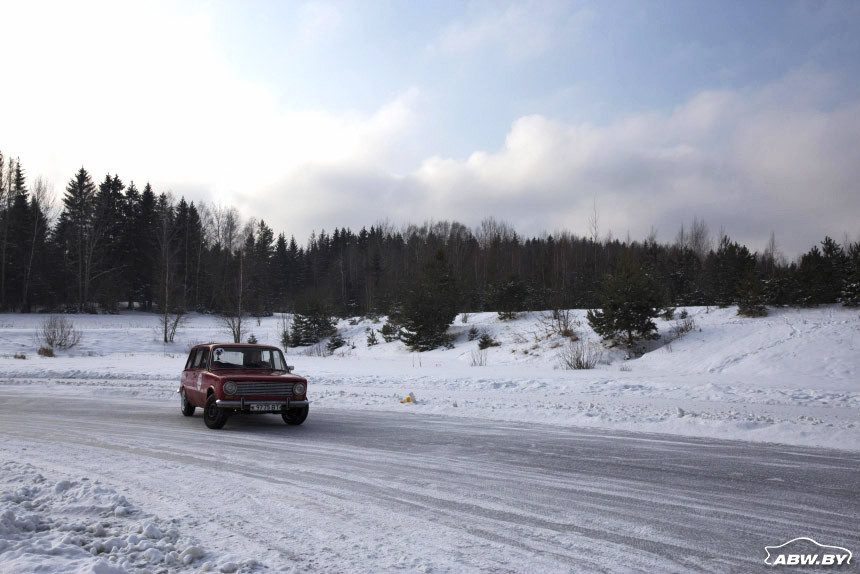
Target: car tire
{"type": "Point", "coordinates": [214, 416]}
{"type": "Point", "coordinates": [295, 416]}
{"type": "Point", "coordinates": [186, 407]}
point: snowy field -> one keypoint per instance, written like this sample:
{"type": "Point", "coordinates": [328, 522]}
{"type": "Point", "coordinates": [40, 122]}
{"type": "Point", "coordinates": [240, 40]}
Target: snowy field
{"type": "Point", "coordinates": [792, 377]}
{"type": "Point", "coordinates": [514, 466]}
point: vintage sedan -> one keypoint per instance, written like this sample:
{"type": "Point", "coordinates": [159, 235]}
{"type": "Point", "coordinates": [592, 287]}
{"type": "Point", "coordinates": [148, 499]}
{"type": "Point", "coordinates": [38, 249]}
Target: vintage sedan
{"type": "Point", "coordinates": [227, 378]}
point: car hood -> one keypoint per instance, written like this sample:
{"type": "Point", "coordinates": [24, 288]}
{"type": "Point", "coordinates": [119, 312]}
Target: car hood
{"type": "Point", "coordinates": [258, 375]}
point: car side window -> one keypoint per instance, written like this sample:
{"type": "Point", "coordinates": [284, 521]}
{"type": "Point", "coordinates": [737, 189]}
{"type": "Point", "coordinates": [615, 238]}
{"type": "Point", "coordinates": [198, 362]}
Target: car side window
{"type": "Point", "coordinates": [204, 360]}
{"type": "Point", "coordinates": [190, 360]}
{"type": "Point", "coordinates": [197, 359]}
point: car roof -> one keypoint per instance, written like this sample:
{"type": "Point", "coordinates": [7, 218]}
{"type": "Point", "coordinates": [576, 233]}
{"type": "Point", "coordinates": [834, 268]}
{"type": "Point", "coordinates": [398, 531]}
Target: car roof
{"type": "Point", "coordinates": [248, 345]}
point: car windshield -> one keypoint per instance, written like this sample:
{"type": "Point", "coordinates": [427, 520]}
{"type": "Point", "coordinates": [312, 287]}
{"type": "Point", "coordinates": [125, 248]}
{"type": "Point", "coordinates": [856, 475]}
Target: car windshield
{"type": "Point", "coordinates": [248, 358]}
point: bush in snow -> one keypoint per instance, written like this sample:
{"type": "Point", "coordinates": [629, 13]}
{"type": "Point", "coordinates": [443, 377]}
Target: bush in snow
{"type": "Point", "coordinates": [577, 355]}
{"type": "Point", "coordinates": [45, 352]}
{"type": "Point", "coordinates": [335, 342]}
{"type": "Point", "coordinates": [390, 331]}
{"type": "Point", "coordinates": [485, 341]}
{"type": "Point", "coordinates": [252, 340]}
{"type": "Point", "coordinates": [59, 332]}
{"type": "Point", "coordinates": [558, 322]}
{"type": "Point", "coordinates": [682, 327]}
{"type": "Point", "coordinates": [473, 333]}
{"type": "Point", "coordinates": [284, 331]}
{"type": "Point", "coordinates": [479, 358]}
{"type": "Point", "coordinates": [371, 337]}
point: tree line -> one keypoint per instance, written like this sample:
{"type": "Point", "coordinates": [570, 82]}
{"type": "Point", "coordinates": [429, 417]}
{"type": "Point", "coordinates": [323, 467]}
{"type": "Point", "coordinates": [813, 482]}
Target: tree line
{"type": "Point", "coordinates": [110, 245]}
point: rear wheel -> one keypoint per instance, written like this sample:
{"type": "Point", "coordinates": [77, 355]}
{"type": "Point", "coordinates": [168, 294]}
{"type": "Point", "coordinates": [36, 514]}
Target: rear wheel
{"type": "Point", "coordinates": [295, 416]}
{"type": "Point", "coordinates": [186, 407]}
{"type": "Point", "coordinates": [214, 416]}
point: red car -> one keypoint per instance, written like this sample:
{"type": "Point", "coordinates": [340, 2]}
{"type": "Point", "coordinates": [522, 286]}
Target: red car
{"type": "Point", "coordinates": [226, 378]}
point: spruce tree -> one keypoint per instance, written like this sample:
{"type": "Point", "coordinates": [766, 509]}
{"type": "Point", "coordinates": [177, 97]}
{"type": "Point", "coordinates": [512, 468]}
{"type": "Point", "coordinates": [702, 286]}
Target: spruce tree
{"type": "Point", "coordinates": [430, 306]}
{"type": "Point", "coordinates": [752, 297]}
{"type": "Point", "coordinates": [630, 301]}
{"type": "Point", "coordinates": [508, 297]}
{"type": "Point", "coordinates": [851, 290]}
{"type": "Point", "coordinates": [78, 214]}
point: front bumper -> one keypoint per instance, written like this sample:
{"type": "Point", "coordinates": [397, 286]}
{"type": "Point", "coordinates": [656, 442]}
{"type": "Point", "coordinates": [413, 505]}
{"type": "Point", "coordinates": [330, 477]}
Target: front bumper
{"type": "Point", "coordinates": [243, 403]}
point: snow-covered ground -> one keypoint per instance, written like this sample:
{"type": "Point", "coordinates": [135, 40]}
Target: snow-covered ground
{"type": "Point", "coordinates": [486, 471]}
{"type": "Point", "coordinates": [792, 377]}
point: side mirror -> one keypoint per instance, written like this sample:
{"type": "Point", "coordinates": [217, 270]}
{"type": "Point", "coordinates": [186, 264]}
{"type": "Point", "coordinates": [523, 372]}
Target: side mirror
{"type": "Point", "coordinates": [290, 368]}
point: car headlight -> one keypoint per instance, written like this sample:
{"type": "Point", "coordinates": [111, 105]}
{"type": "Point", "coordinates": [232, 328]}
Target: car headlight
{"type": "Point", "coordinates": [299, 389]}
{"type": "Point", "coordinates": [229, 388]}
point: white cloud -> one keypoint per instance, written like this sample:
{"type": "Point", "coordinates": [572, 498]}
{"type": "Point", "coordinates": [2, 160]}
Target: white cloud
{"type": "Point", "coordinates": [748, 162]}
{"type": "Point", "coordinates": [145, 93]}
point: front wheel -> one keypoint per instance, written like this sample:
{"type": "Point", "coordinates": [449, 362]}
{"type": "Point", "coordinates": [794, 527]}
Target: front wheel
{"type": "Point", "coordinates": [295, 416]}
{"type": "Point", "coordinates": [214, 416]}
{"type": "Point", "coordinates": [186, 407]}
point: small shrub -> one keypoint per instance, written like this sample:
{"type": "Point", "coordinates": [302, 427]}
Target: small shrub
{"type": "Point", "coordinates": [390, 332]}
{"type": "Point", "coordinates": [464, 318]}
{"type": "Point", "coordinates": [485, 341]}
{"type": "Point", "coordinates": [558, 322]}
{"type": "Point", "coordinates": [318, 350]}
{"type": "Point", "coordinates": [683, 314]}
{"type": "Point", "coordinates": [479, 358]}
{"type": "Point", "coordinates": [336, 342]}
{"type": "Point", "coordinates": [578, 355]}
{"type": "Point", "coordinates": [20, 356]}
{"type": "Point", "coordinates": [625, 368]}
{"type": "Point", "coordinates": [682, 327]}
{"type": "Point", "coordinates": [371, 337]}
{"type": "Point", "coordinates": [474, 333]}
{"type": "Point", "coordinates": [252, 340]}
{"type": "Point", "coordinates": [58, 332]}
{"type": "Point", "coordinates": [668, 313]}
{"type": "Point", "coordinates": [45, 352]}
{"type": "Point", "coordinates": [284, 331]}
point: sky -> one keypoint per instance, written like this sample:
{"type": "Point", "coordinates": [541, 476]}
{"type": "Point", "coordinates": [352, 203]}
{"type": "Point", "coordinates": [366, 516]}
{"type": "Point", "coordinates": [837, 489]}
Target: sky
{"type": "Point", "coordinates": [316, 115]}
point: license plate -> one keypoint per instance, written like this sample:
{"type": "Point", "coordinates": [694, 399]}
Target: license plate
{"type": "Point", "coordinates": [265, 408]}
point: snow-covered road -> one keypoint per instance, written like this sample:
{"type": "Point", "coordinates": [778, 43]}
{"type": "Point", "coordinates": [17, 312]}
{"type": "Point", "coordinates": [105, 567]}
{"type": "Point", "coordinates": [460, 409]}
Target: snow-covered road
{"type": "Point", "coordinates": [370, 491]}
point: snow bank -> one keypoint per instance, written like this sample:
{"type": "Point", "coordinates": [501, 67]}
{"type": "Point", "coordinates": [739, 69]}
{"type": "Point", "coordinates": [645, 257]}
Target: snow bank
{"type": "Point", "coordinates": [80, 526]}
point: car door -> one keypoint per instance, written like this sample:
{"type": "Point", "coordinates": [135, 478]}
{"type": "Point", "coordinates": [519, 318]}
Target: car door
{"type": "Point", "coordinates": [192, 380]}
{"type": "Point", "coordinates": [183, 379]}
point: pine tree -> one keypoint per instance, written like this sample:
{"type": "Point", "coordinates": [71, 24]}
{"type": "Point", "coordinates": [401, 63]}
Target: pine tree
{"type": "Point", "coordinates": [726, 268]}
{"type": "Point", "coordinates": [430, 306]}
{"type": "Point", "coordinates": [280, 272]}
{"type": "Point", "coordinates": [311, 323]}
{"type": "Point", "coordinates": [107, 261]}
{"type": "Point", "coordinates": [20, 229]}
{"type": "Point", "coordinates": [850, 295]}
{"type": "Point", "coordinates": [508, 297]}
{"type": "Point", "coordinates": [630, 302]}
{"type": "Point", "coordinates": [78, 215]}
{"type": "Point", "coordinates": [752, 297]}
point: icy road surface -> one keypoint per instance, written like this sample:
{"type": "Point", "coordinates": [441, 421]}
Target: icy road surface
{"type": "Point", "coordinates": [372, 491]}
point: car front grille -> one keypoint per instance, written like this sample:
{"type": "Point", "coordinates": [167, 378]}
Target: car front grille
{"type": "Point", "coordinates": [260, 388]}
